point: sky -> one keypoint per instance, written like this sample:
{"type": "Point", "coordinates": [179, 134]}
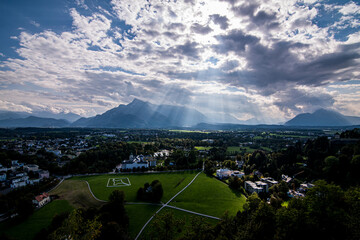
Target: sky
{"type": "Point", "coordinates": [268, 60]}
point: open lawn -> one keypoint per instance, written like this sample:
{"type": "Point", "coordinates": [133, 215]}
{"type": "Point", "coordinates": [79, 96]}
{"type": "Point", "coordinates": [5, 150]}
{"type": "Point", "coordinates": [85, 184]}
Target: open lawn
{"type": "Point", "coordinates": [210, 196]}
{"type": "Point", "coordinates": [138, 216]}
{"type": "Point", "coordinates": [40, 219]}
{"type": "Point", "coordinates": [76, 193]}
{"type": "Point", "coordinates": [171, 183]}
{"type": "Point", "coordinates": [202, 148]}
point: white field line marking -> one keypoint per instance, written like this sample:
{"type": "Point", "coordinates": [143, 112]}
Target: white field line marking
{"type": "Point", "coordinates": [118, 182]}
{"type": "Point", "coordinates": [93, 193]}
{"type": "Point", "coordinates": [142, 229]}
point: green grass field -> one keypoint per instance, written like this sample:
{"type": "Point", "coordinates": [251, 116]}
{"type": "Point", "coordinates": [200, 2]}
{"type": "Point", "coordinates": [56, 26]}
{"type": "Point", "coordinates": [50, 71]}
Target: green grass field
{"type": "Point", "coordinates": [40, 219]}
{"type": "Point", "coordinates": [138, 216]}
{"type": "Point", "coordinates": [210, 196]}
{"type": "Point", "coordinates": [203, 148]}
{"type": "Point", "coordinates": [171, 182]}
{"type": "Point", "coordinates": [76, 193]}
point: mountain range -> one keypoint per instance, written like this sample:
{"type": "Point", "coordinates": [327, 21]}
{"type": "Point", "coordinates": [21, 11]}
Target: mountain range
{"type": "Point", "coordinates": [323, 117]}
{"type": "Point", "coordinates": [141, 114]}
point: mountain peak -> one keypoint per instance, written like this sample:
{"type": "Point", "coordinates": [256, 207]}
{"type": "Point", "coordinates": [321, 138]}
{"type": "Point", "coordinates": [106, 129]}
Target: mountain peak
{"type": "Point", "coordinates": [136, 101]}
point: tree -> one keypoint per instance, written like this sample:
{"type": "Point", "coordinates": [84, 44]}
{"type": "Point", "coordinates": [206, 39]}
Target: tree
{"type": "Point", "coordinates": [165, 226]}
{"type": "Point", "coordinates": [75, 227]}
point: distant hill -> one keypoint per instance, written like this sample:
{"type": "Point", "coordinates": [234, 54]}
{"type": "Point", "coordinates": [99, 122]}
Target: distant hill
{"type": "Point", "coordinates": [34, 122]}
{"type": "Point", "coordinates": [71, 117]}
{"type": "Point", "coordinates": [140, 114]}
{"type": "Point", "coordinates": [323, 117]}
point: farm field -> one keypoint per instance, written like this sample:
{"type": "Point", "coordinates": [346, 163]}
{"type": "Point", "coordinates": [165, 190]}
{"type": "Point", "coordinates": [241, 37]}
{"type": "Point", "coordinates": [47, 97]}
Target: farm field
{"type": "Point", "coordinates": [38, 220]}
{"type": "Point", "coordinates": [210, 196]}
{"type": "Point", "coordinates": [171, 183]}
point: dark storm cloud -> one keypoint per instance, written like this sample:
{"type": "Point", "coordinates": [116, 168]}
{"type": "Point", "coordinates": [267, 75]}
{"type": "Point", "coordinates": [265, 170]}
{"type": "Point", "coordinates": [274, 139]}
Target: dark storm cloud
{"type": "Point", "coordinates": [276, 68]}
{"type": "Point", "coordinates": [260, 18]}
{"type": "Point", "coordinates": [200, 29]}
{"type": "Point", "coordinates": [189, 49]}
{"type": "Point", "coordinates": [234, 41]}
{"type": "Point", "coordinates": [309, 102]}
{"type": "Point", "coordinates": [222, 21]}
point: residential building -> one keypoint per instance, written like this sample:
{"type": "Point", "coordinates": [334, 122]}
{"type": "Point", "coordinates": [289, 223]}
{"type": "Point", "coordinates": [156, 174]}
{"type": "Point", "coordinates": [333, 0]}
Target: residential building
{"type": "Point", "coordinates": [269, 181]}
{"type": "Point", "coordinates": [44, 174]}
{"type": "Point", "coordinates": [133, 162]}
{"type": "Point", "coordinates": [2, 176]}
{"type": "Point", "coordinates": [31, 167]}
{"type": "Point", "coordinates": [42, 200]}
{"type": "Point", "coordinates": [257, 187]}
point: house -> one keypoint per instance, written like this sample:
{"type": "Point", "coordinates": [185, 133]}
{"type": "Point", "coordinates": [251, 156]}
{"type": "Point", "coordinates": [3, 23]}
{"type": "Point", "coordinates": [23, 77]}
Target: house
{"type": "Point", "coordinates": [44, 174]}
{"type": "Point", "coordinates": [34, 181]}
{"type": "Point", "coordinates": [225, 173]}
{"type": "Point", "coordinates": [31, 168]}
{"type": "Point", "coordinates": [16, 182]}
{"type": "Point", "coordinates": [237, 174]}
{"type": "Point", "coordinates": [240, 163]}
{"type": "Point", "coordinates": [133, 162]}
{"type": "Point", "coordinates": [2, 176]}
{"type": "Point", "coordinates": [286, 178]}
{"type": "Point", "coordinates": [42, 200]}
{"type": "Point", "coordinates": [269, 181]}
{"type": "Point", "coordinates": [257, 187]}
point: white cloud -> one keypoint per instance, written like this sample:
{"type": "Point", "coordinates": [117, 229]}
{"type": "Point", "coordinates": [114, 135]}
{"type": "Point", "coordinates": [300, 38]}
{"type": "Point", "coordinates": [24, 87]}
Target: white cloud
{"type": "Point", "coordinates": [164, 56]}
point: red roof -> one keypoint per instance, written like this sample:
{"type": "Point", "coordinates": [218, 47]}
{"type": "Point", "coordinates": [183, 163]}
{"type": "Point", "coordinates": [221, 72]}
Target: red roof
{"type": "Point", "coordinates": [41, 197]}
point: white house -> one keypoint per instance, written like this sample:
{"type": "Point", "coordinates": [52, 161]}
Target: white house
{"type": "Point", "coordinates": [133, 162]}
{"type": "Point", "coordinates": [223, 173]}
{"type": "Point", "coordinates": [269, 181]}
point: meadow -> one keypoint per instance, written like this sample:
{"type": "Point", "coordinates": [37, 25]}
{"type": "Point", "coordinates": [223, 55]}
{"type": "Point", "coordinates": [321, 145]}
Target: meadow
{"type": "Point", "coordinates": [210, 196]}
{"type": "Point", "coordinates": [171, 182]}
{"type": "Point", "coordinates": [205, 195]}
{"type": "Point", "coordinates": [38, 220]}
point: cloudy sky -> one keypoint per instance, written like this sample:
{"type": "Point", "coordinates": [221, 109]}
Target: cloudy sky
{"type": "Point", "coordinates": [268, 60]}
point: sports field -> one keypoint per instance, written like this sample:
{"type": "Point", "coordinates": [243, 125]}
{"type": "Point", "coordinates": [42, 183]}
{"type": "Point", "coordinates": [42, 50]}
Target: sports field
{"type": "Point", "coordinates": [171, 183]}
